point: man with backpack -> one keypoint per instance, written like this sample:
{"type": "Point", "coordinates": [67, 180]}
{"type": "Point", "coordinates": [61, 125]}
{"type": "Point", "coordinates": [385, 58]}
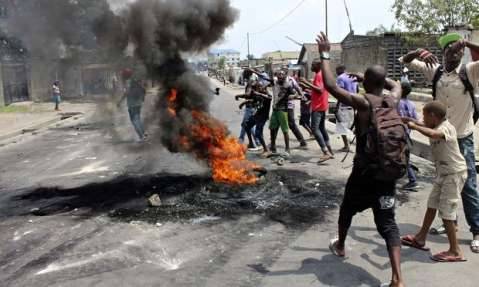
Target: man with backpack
{"type": "Point", "coordinates": [377, 167]}
{"type": "Point", "coordinates": [453, 85]}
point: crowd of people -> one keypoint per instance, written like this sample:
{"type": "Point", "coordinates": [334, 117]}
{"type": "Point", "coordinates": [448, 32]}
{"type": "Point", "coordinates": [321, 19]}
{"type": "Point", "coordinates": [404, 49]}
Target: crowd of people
{"type": "Point", "coordinates": [280, 93]}
{"type": "Point", "coordinates": [382, 124]}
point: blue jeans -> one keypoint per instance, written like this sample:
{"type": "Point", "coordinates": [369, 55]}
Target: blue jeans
{"type": "Point", "coordinates": [318, 125]}
{"type": "Point", "coordinates": [258, 134]}
{"type": "Point", "coordinates": [135, 118]}
{"type": "Point", "coordinates": [411, 175]}
{"type": "Point", "coordinates": [470, 196]}
{"type": "Point", "coordinates": [248, 113]}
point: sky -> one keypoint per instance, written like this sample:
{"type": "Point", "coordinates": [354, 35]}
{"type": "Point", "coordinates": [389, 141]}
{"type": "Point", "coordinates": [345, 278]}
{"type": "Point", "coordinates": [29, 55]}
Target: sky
{"type": "Point", "coordinates": [258, 15]}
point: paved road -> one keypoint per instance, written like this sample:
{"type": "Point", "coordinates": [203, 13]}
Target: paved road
{"type": "Point", "coordinates": [73, 212]}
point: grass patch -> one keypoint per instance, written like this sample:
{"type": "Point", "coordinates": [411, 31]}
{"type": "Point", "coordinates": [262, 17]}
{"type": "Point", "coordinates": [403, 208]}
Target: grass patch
{"type": "Point", "coordinates": [14, 109]}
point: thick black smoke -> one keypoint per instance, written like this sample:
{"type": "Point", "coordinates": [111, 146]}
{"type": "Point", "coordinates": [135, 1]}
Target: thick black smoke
{"type": "Point", "coordinates": [55, 28]}
{"type": "Point", "coordinates": [161, 31]}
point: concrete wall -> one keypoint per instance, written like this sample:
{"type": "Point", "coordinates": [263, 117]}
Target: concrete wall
{"type": "Point", "coordinates": [2, 95]}
{"type": "Point", "coordinates": [359, 54]}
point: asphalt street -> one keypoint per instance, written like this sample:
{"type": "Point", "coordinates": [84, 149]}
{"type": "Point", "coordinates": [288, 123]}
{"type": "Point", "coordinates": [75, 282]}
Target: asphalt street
{"type": "Point", "coordinates": [74, 212]}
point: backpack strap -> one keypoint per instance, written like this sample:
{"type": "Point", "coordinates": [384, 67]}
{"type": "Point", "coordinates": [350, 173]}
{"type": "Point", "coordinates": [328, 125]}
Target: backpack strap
{"type": "Point", "coordinates": [469, 88]}
{"type": "Point", "coordinates": [437, 76]}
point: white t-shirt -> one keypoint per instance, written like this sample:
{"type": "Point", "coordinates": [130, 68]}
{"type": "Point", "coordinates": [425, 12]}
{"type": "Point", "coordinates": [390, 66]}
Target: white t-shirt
{"type": "Point", "coordinates": [446, 153]}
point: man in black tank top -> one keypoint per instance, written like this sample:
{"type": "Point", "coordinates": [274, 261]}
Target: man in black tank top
{"type": "Point", "coordinates": [363, 191]}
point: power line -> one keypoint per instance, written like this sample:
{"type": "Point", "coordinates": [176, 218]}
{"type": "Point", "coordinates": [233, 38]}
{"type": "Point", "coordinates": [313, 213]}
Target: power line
{"type": "Point", "coordinates": [280, 20]}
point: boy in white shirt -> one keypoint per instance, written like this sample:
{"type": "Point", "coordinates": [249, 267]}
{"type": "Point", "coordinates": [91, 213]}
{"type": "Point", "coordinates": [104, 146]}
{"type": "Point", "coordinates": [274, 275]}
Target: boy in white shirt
{"type": "Point", "coordinates": [451, 176]}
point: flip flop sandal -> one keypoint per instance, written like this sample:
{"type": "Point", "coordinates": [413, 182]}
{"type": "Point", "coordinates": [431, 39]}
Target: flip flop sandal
{"type": "Point", "coordinates": [443, 257]}
{"type": "Point", "coordinates": [334, 250]}
{"type": "Point", "coordinates": [325, 158]}
{"type": "Point", "coordinates": [410, 240]}
{"type": "Point", "coordinates": [475, 246]}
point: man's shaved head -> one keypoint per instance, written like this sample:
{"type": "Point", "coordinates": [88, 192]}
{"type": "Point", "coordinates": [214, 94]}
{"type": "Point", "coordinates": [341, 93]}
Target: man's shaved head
{"type": "Point", "coordinates": [374, 78]}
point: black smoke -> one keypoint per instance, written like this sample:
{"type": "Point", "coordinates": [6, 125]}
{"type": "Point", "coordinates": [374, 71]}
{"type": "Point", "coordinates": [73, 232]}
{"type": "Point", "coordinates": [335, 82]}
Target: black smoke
{"type": "Point", "coordinates": [162, 31]}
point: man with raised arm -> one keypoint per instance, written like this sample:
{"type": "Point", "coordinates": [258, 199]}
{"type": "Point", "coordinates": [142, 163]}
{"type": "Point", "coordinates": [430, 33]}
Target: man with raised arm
{"type": "Point", "coordinates": [364, 190]}
{"type": "Point", "coordinates": [454, 85]}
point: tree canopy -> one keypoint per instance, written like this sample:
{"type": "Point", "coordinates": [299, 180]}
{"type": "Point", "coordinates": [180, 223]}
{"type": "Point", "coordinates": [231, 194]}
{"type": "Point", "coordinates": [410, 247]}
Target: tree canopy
{"type": "Point", "coordinates": [434, 16]}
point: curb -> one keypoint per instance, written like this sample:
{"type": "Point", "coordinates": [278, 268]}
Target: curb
{"type": "Point", "coordinates": [34, 128]}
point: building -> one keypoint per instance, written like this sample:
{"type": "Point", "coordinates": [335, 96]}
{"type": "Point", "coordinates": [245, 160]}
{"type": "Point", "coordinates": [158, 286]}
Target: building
{"type": "Point", "coordinates": [282, 57]}
{"type": "Point", "coordinates": [360, 52]}
{"type": "Point", "coordinates": [230, 57]}
{"type": "Point", "coordinates": [309, 52]}
{"type": "Point", "coordinates": [26, 77]}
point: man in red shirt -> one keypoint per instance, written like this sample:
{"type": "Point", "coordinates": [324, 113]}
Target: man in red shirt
{"type": "Point", "coordinates": [319, 109]}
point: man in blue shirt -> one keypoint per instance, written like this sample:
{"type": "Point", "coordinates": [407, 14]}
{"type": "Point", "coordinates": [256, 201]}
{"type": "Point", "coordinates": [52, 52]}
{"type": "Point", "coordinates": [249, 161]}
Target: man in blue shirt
{"type": "Point", "coordinates": [407, 109]}
{"type": "Point", "coordinates": [345, 114]}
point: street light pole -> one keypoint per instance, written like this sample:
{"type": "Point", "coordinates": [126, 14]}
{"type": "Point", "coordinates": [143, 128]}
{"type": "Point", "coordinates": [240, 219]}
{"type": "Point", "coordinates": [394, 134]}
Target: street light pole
{"type": "Point", "coordinates": [326, 9]}
{"type": "Point", "coordinates": [247, 56]}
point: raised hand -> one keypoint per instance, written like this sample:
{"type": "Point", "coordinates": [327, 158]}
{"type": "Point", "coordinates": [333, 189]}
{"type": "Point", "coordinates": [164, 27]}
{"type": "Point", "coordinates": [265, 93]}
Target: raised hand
{"type": "Point", "coordinates": [427, 57]}
{"type": "Point", "coordinates": [323, 43]}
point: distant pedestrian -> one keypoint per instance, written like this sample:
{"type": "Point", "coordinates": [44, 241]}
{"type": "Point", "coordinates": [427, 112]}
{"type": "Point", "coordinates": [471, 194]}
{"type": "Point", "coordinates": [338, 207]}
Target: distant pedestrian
{"type": "Point", "coordinates": [344, 113]}
{"type": "Point", "coordinates": [451, 170]}
{"type": "Point", "coordinates": [135, 96]}
{"type": "Point", "coordinates": [57, 95]}
{"type": "Point", "coordinates": [407, 109]}
{"type": "Point", "coordinates": [319, 110]}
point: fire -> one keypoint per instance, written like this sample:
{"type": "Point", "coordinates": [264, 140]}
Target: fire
{"type": "Point", "coordinates": [172, 102]}
{"type": "Point", "coordinates": [208, 139]}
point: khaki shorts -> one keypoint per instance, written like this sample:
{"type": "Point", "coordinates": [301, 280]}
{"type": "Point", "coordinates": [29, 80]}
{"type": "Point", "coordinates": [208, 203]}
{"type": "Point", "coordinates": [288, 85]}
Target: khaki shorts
{"type": "Point", "coordinates": [279, 119]}
{"type": "Point", "coordinates": [446, 193]}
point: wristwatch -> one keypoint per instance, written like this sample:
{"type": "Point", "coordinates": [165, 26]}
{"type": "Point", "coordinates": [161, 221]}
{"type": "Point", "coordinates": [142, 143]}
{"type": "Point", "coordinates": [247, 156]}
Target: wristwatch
{"type": "Point", "coordinates": [325, 56]}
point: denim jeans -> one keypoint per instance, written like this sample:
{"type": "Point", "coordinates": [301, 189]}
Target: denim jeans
{"type": "Point", "coordinates": [318, 125]}
{"type": "Point", "coordinates": [294, 128]}
{"type": "Point", "coordinates": [411, 174]}
{"type": "Point", "coordinates": [470, 196]}
{"type": "Point", "coordinates": [248, 113]}
{"type": "Point", "coordinates": [258, 134]}
{"type": "Point", "coordinates": [135, 118]}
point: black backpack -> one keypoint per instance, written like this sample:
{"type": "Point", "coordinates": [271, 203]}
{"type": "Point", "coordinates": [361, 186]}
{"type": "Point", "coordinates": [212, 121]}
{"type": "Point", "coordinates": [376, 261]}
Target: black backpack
{"type": "Point", "coordinates": [468, 87]}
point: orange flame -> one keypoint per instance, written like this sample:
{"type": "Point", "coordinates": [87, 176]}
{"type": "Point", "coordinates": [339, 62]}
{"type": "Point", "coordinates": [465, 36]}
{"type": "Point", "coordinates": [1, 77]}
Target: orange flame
{"type": "Point", "coordinates": [209, 140]}
{"type": "Point", "coordinates": [172, 102]}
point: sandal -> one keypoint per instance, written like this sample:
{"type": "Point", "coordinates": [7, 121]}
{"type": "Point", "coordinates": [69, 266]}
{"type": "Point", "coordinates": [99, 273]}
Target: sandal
{"type": "Point", "coordinates": [410, 240]}
{"type": "Point", "coordinates": [475, 246]}
{"type": "Point", "coordinates": [333, 247]}
{"type": "Point", "coordinates": [325, 158]}
{"type": "Point", "coordinates": [444, 257]}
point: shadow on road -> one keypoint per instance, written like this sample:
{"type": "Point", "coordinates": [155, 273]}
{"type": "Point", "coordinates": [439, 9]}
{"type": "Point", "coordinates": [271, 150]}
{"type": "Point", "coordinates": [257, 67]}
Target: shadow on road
{"type": "Point", "coordinates": [329, 270]}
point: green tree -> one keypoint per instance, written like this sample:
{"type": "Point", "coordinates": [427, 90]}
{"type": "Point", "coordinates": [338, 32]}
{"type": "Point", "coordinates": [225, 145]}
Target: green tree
{"type": "Point", "coordinates": [434, 16]}
{"type": "Point", "coordinates": [221, 63]}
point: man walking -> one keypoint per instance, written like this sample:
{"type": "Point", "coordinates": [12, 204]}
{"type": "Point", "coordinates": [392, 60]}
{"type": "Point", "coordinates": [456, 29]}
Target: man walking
{"type": "Point", "coordinates": [453, 85]}
{"type": "Point", "coordinates": [135, 96]}
{"type": "Point", "coordinates": [364, 188]}
{"type": "Point", "coordinates": [345, 114]}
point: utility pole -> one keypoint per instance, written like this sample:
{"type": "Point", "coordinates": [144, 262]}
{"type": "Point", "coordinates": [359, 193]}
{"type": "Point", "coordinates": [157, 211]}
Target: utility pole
{"type": "Point", "coordinates": [326, 2]}
{"type": "Point", "coordinates": [247, 56]}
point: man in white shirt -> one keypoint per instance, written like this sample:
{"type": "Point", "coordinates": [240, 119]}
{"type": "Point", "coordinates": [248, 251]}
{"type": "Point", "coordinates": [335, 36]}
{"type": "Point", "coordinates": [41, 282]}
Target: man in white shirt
{"type": "Point", "coordinates": [450, 88]}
